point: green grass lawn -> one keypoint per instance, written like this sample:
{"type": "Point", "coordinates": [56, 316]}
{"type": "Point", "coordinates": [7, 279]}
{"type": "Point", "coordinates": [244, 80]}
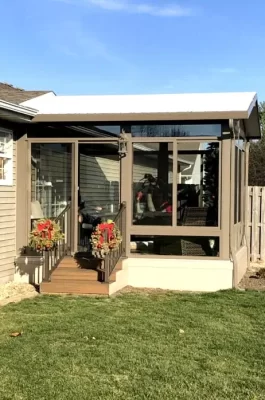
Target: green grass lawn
{"type": "Point", "coordinates": [130, 347]}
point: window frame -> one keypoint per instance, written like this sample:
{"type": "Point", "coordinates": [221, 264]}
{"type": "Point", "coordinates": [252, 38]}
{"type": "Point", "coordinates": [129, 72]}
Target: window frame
{"type": "Point", "coordinates": [174, 229]}
{"type": "Point", "coordinates": [7, 158]}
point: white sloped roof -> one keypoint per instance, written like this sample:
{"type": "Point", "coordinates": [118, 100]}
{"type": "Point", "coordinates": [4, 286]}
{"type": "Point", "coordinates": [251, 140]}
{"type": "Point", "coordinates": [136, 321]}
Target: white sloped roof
{"type": "Point", "coordinates": [146, 104]}
{"type": "Point", "coordinates": [157, 107]}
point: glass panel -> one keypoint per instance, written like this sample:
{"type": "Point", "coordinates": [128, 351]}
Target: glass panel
{"type": "Point", "coordinates": [99, 179]}
{"type": "Point", "coordinates": [176, 130]}
{"type": "Point", "coordinates": [152, 183]}
{"type": "Point", "coordinates": [99, 188]}
{"type": "Point", "coordinates": [51, 166]}
{"type": "Point", "coordinates": [175, 245]}
{"type": "Point", "coordinates": [80, 131]}
{"type": "Point", "coordinates": [198, 182]}
{"type": "Point", "coordinates": [239, 172]}
{"type": "Point", "coordinates": [109, 129]}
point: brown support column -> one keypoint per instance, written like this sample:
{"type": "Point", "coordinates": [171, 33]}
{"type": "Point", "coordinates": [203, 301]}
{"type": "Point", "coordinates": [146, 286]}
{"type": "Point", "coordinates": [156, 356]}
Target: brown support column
{"type": "Point", "coordinates": [23, 190]}
{"type": "Point", "coordinates": [247, 145]}
{"type": "Point", "coordinates": [74, 197]}
{"type": "Point", "coordinates": [226, 215]}
{"type": "Point", "coordinates": [126, 189]}
{"type": "Point", "coordinates": [175, 184]}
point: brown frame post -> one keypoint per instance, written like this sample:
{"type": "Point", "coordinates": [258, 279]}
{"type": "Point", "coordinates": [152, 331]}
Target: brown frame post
{"type": "Point", "coordinates": [225, 195]}
{"type": "Point", "coordinates": [126, 182]}
{"type": "Point", "coordinates": [175, 185]}
{"type": "Point", "coordinates": [247, 146]}
{"type": "Point", "coordinates": [23, 190]}
{"type": "Point", "coordinates": [74, 198]}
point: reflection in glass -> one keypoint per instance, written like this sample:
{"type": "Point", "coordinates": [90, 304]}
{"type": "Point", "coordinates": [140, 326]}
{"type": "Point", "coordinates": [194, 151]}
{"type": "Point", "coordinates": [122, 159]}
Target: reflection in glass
{"type": "Point", "coordinates": [176, 130]}
{"type": "Point", "coordinates": [198, 182]}
{"type": "Point", "coordinates": [81, 131]}
{"type": "Point", "coordinates": [51, 166]}
{"type": "Point", "coordinates": [99, 179]}
{"type": "Point", "coordinates": [175, 245]}
{"type": "Point", "coordinates": [239, 183]}
{"type": "Point", "coordinates": [152, 183]}
{"type": "Point", "coordinates": [99, 188]}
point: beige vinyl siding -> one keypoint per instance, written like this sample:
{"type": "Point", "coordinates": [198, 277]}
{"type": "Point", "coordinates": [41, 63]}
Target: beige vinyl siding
{"type": "Point", "coordinates": [8, 226]}
{"type": "Point", "coordinates": [145, 166]}
{"type": "Point", "coordinates": [142, 168]}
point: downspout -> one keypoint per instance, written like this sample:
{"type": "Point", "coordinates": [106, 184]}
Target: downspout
{"type": "Point", "coordinates": [185, 169]}
{"type": "Point", "coordinates": [232, 187]}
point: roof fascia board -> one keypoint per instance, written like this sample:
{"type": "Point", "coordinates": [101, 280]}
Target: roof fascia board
{"type": "Point", "coordinates": [140, 117]}
{"type": "Point", "coordinates": [252, 105]}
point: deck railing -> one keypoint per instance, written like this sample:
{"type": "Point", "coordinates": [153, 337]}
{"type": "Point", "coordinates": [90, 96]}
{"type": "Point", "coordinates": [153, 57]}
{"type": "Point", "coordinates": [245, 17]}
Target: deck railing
{"type": "Point", "coordinates": [110, 261]}
{"type": "Point", "coordinates": [54, 256]}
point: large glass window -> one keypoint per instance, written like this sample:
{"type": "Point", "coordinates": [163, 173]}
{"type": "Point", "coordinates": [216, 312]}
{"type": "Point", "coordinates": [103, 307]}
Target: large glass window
{"type": "Point", "coordinates": [198, 183]}
{"type": "Point", "coordinates": [179, 130]}
{"type": "Point", "coordinates": [152, 183]}
{"type": "Point", "coordinates": [51, 177]}
{"type": "Point", "coordinates": [175, 245]}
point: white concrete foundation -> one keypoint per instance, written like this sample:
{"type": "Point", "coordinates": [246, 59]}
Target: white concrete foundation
{"type": "Point", "coordinates": [241, 264]}
{"type": "Point", "coordinates": [180, 274]}
{"type": "Point", "coordinates": [121, 280]}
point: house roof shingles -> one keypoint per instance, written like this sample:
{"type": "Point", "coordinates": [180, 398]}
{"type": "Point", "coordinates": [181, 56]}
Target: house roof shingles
{"type": "Point", "coordinates": [15, 95]}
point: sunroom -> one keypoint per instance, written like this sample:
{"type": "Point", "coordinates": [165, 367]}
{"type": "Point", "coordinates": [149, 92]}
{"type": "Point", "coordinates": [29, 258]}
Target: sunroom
{"type": "Point", "coordinates": [176, 166]}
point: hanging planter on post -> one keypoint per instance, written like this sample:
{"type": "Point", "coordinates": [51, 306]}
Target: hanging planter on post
{"type": "Point", "coordinates": [45, 237]}
{"type": "Point", "coordinates": [105, 239]}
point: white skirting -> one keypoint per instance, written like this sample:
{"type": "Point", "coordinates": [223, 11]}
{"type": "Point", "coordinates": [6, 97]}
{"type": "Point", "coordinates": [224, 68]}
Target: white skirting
{"type": "Point", "coordinates": [180, 274]}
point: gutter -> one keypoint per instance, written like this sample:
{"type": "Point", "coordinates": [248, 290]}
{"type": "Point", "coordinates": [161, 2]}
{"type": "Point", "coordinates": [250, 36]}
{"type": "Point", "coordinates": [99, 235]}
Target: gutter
{"type": "Point", "coordinates": [32, 112]}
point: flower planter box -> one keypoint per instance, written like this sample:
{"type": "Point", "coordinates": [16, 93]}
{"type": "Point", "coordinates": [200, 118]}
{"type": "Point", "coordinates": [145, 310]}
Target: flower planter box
{"type": "Point", "coordinates": [28, 267]}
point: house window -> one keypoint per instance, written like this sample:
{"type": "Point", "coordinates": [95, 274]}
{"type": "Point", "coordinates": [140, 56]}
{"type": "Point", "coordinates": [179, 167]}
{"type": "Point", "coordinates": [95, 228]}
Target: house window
{"type": "Point", "coordinates": [6, 157]}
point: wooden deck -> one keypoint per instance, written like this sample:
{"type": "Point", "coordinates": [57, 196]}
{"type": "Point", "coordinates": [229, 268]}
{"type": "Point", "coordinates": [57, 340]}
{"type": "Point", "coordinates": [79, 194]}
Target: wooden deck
{"type": "Point", "coordinates": [78, 277]}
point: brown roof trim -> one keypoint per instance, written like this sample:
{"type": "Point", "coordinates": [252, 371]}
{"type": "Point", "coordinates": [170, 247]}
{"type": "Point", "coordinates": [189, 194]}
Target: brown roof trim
{"type": "Point", "coordinates": [140, 117]}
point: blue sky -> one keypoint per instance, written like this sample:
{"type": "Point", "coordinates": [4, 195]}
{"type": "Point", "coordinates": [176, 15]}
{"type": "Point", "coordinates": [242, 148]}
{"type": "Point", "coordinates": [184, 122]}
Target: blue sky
{"type": "Point", "coordinates": [133, 46]}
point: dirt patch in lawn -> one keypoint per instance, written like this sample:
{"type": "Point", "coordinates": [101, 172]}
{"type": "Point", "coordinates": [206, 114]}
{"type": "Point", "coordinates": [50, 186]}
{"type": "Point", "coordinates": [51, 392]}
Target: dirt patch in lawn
{"type": "Point", "coordinates": [151, 291]}
{"type": "Point", "coordinates": [147, 291]}
{"type": "Point", "coordinates": [14, 292]}
{"type": "Point", "coordinates": [254, 278]}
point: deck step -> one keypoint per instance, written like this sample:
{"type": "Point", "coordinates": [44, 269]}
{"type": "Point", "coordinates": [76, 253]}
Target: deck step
{"type": "Point", "coordinates": [79, 263]}
{"type": "Point", "coordinates": [90, 276]}
{"type": "Point", "coordinates": [69, 278]}
{"type": "Point", "coordinates": [74, 287]}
